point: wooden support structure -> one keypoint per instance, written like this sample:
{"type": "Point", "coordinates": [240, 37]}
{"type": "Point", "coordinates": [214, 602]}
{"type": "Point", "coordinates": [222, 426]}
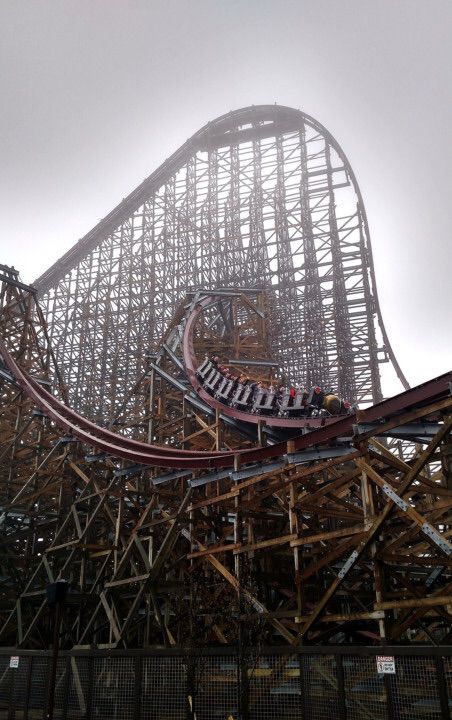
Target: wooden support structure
{"type": "Point", "coordinates": [351, 547]}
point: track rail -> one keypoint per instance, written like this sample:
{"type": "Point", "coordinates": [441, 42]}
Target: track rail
{"type": "Point", "coordinates": [253, 123]}
{"type": "Point", "coordinates": [105, 440]}
{"type": "Point", "coordinates": [147, 454]}
{"type": "Point", "coordinates": [191, 365]}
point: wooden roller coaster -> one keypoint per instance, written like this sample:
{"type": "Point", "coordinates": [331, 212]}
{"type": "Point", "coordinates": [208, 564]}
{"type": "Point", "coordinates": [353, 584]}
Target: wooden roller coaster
{"type": "Point", "coordinates": [190, 520]}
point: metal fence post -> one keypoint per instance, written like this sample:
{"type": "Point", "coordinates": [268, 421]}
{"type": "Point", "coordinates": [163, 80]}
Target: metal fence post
{"type": "Point", "coordinates": [11, 708]}
{"type": "Point", "coordinates": [392, 706]}
{"type": "Point", "coordinates": [66, 687]}
{"type": "Point", "coordinates": [48, 679]}
{"type": "Point", "coordinates": [341, 688]}
{"type": "Point", "coordinates": [89, 693]}
{"type": "Point", "coordinates": [243, 686]}
{"type": "Point", "coordinates": [138, 675]}
{"type": "Point", "coordinates": [442, 688]}
{"type": "Point", "coordinates": [302, 684]}
{"type": "Point", "coordinates": [28, 688]}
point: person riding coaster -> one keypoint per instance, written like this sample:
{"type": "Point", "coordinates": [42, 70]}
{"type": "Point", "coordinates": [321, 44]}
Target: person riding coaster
{"type": "Point", "coordinates": [264, 400]}
{"type": "Point", "coordinates": [292, 401]}
{"type": "Point", "coordinates": [257, 398]}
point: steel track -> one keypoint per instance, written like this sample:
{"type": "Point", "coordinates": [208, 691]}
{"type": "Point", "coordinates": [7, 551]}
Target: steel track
{"type": "Point", "coordinates": [148, 454]}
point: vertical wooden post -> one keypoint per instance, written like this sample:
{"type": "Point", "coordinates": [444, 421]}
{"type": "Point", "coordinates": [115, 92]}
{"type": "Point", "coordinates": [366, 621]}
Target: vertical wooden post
{"type": "Point", "coordinates": [151, 405]}
{"type": "Point", "coordinates": [294, 528]}
{"type": "Point", "coordinates": [368, 502]}
{"type": "Point", "coordinates": [218, 430]}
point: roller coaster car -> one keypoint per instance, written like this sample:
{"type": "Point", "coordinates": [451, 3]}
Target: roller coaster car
{"type": "Point", "coordinates": [237, 394]}
{"type": "Point", "coordinates": [347, 408]}
{"type": "Point", "coordinates": [204, 368]}
{"type": "Point", "coordinates": [257, 401]}
{"type": "Point", "coordinates": [283, 403]}
{"type": "Point", "coordinates": [242, 395]}
{"type": "Point", "coordinates": [223, 382]}
{"type": "Point", "coordinates": [212, 382]}
{"type": "Point", "coordinates": [315, 398]}
{"type": "Point", "coordinates": [224, 390]}
{"type": "Point", "coordinates": [264, 402]}
{"type": "Point", "coordinates": [298, 406]}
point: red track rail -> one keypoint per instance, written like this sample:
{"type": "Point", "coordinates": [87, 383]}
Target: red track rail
{"type": "Point", "coordinates": [107, 435]}
{"type": "Point", "coordinates": [158, 456]}
{"type": "Point", "coordinates": [105, 440]}
{"type": "Point", "coordinates": [191, 365]}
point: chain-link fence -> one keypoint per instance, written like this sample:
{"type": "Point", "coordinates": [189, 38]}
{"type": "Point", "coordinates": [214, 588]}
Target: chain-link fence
{"type": "Point", "coordinates": [340, 683]}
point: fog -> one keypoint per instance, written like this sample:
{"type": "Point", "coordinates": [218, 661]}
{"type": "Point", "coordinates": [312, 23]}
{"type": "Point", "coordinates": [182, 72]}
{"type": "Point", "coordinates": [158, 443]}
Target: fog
{"type": "Point", "coordinates": [95, 95]}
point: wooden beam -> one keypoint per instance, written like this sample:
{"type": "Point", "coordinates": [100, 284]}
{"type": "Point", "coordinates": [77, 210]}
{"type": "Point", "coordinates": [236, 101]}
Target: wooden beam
{"type": "Point", "coordinates": [415, 603]}
{"type": "Point", "coordinates": [441, 543]}
{"type": "Point", "coordinates": [236, 585]}
{"type": "Point", "coordinates": [378, 522]}
{"type": "Point", "coordinates": [331, 535]}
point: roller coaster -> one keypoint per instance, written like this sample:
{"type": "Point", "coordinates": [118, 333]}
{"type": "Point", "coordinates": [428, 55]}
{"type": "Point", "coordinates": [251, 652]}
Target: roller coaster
{"type": "Point", "coordinates": [318, 410]}
{"type": "Point", "coordinates": [207, 455]}
{"type": "Point", "coordinates": [321, 465]}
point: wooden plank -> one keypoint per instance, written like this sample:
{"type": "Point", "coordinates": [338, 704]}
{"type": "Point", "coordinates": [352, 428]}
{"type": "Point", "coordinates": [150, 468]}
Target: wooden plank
{"type": "Point", "coordinates": [110, 616]}
{"type": "Point", "coordinates": [213, 550]}
{"type": "Point", "coordinates": [76, 521]}
{"type": "Point", "coordinates": [331, 486]}
{"type": "Point", "coordinates": [126, 581]}
{"type": "Point", "coordinates": [48, 569]}
{"type": "Point", "coordinates": [412, 560]}
{"type": "Point", "coordinates": [235, 584]}
{"type": "Point", "coordinates": [241, 486]}
{"type": "Point", "coordinates": [54, 548]}
{"type": "Point", "coordinates": [42, 491]}
{"type": "Point", "coordinates": [169, 539]}
{"type": "Point", "coordinates": [142, 552]}
{"type": "Point", "coordinates": [399, 420]}
{"type": "Point", "coordinates": [34, 474]}
{"type": "Point", "coordinates": [408, 479]}
{"type": "Point", "coordinates": [272, 542]}
{"type": "Point", "coordinates": [415, 603]}
{"type": "Point", "coordinates": [327, 559]}
{"type": "Point", "coordinates": [421, 522]}
{"type": "Point", "coordinates": [324, 536]}
{"type": "Point", "coordinates": [215, 499]}
{"type": "Point", "coordinates": [327, 618]}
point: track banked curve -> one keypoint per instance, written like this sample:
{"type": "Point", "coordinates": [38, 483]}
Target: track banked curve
{"type": "Point", "coordinates": [153, 455]}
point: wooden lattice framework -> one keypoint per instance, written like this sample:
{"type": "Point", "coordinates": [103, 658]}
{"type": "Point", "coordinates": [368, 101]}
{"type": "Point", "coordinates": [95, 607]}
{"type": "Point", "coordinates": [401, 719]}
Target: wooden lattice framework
{"type": "Point", "coordinates": [261, 197]}
{"type": "Point", "coordinates": [352, 545]}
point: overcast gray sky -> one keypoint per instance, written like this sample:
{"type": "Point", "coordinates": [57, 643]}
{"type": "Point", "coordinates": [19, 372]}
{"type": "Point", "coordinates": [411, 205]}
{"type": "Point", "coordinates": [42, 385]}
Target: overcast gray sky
{"type": "Point", "coordinates": [95, 94]}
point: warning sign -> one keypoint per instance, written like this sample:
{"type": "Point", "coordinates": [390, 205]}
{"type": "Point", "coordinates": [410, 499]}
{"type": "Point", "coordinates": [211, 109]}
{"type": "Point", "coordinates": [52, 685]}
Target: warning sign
{"type": "Point", "coordinates": [14, 661]}
{"type": "Point", "coordinates": [386, 664]}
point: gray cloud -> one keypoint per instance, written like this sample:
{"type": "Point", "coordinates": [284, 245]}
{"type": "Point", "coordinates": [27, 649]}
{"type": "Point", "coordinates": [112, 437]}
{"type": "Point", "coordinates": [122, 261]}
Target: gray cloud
{"type": "Point", "coordinates": [96, 94]}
